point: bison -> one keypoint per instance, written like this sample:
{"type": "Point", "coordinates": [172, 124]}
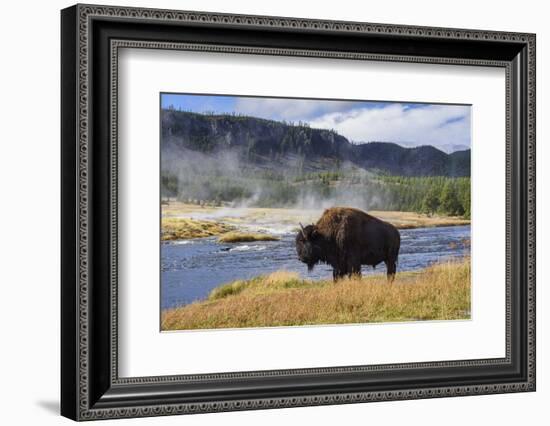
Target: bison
{"type": "Point", "coordinates": [347, 238]}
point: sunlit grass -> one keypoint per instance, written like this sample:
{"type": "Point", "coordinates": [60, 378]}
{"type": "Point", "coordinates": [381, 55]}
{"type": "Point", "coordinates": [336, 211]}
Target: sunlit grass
{"type": "Point", "coordinates": [439, 292]}
{"type": "Point", "coordinates": [293, 216]}
{"type": "Point", "coordinates": [243, 237]}
{"type": "Point", "coordinates": [411, 220]}
{"type": "Point", "coordinates": [183, 228]}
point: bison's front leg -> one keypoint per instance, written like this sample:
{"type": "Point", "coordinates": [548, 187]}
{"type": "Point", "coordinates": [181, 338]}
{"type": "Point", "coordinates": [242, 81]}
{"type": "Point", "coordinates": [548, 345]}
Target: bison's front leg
{"type": "Point", "coordinates": [355, 270]}
{"type": "Point", "coordinates": [339, 273]}
{"type": "Point", "coordinates": [353, 266]}
{"type": "Point", "coordinates": [336, 274]}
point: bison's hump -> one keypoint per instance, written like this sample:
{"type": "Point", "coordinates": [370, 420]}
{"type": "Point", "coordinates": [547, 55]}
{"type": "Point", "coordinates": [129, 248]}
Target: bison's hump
{"type": "Point", "coordinates": [334, 218]}
{"type": "Point", "coordinates": [334, 215]}
{"type": "Point", "coordinates": [351, 218]}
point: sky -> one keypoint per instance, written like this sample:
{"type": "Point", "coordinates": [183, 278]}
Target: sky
{"type": "Point", "coordinates": [444, 126]}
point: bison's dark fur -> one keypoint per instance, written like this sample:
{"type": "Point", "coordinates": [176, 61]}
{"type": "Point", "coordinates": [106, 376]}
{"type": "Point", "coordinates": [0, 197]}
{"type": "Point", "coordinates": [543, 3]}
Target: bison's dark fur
{"type": "Point", "coordinates": [347, 238]}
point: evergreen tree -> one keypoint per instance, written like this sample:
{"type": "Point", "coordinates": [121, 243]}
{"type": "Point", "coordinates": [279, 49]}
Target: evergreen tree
{"type": "Point", "coordinates": [449, 200]}
{"type": "Point", "coordinates": [430, 203]}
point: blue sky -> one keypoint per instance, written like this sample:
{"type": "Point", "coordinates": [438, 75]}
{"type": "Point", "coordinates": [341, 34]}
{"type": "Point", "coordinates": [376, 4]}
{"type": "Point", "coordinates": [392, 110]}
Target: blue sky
{"type": "Point", "coordinates": [446, 127]}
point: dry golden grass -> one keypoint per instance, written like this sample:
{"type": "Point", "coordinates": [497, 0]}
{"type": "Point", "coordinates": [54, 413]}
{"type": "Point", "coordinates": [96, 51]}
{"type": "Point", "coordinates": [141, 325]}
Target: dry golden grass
{"type": "Point", "coordinates": [439, 292]}
{"type": "Point", "coordinates": [243, 237]}
{"type": "Point", "coordinates": [182, 228]}
{"type": "Point", "coordinates": [409, 220]}
{"type": "Point", "coordinates": [288, 216]}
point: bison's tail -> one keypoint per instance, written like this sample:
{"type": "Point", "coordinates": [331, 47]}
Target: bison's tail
{"type": "Point", "coordinates": [394, 248]}
{"type": "Point", "coordinates": [391, 262]}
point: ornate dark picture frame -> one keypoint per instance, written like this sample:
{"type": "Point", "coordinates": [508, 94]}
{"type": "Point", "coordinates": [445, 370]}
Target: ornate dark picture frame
{"type": "Point", "coordinates": [90, 385]}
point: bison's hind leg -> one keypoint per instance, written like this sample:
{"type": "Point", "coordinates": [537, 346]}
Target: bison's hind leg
{"type": "Point", "coordinates": [391, 269]}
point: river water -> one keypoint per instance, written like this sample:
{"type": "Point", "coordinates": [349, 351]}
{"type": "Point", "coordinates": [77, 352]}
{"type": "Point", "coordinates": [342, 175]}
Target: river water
{"type": "Point", "coordinates": [190, 269]}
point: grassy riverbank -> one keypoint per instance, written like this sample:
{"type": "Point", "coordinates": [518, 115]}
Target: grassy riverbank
{"type": "Point", "coordinates": [439, 292]}
{"type": "Point", "coordinates": [184, 228]}
{"type": "Point", "coordinates": [185, 221]}
{"type": "Point", "coordinates": [243, 237]}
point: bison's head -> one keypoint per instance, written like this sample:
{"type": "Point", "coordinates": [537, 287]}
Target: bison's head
{"type": "Point", "coordinates": [308, 246]}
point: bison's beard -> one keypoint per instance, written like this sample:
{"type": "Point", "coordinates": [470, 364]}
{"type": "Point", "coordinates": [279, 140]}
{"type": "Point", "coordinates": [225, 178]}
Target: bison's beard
{"type": "Point", "coordinates": [310, 267]}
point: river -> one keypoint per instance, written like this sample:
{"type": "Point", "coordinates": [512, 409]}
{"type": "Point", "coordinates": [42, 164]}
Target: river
{"type": "Point", "coordinates": [190, 269]}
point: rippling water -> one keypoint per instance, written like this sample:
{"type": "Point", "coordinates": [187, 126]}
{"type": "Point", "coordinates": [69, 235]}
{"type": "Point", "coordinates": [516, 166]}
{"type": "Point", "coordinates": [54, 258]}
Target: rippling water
{"type": "Point", "coordinates": [192, 268]}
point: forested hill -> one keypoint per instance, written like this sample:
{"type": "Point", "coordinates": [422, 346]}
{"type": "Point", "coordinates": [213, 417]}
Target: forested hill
{"type": "Point", "coordinates": [263, 142]}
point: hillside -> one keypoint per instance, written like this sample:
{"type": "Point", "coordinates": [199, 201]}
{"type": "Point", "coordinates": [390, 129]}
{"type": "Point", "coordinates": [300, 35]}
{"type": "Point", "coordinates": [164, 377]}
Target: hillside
{"type": "Point", "coordinates": [269, 144]}
{"type": "Point", "coordinates": [439, 292]}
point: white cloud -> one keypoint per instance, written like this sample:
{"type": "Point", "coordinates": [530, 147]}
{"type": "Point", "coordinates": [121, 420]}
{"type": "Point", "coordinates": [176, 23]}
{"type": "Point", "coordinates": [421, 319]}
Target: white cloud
{"type": "Point", "coordinates": [446, 127]}
{"type": "Point", "coordinates": [289, 109]}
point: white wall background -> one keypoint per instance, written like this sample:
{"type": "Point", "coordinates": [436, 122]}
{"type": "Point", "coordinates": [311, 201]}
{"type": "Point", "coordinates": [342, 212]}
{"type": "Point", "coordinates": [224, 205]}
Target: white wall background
{"type": "Point", "coordinates": [29, 212]}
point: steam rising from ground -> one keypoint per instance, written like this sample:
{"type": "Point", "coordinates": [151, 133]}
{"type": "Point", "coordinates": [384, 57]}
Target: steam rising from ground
{"type": "Point", "coordinates": [227, 179]}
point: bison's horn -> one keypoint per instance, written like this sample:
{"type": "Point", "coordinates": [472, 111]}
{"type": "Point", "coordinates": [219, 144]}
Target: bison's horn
{"type": "Point", "coordinates": [303, 231]}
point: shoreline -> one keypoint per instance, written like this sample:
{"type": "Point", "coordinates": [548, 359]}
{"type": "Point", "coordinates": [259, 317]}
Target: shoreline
{"type": "Point", "coordinates": [188, 221]}
{"type": "Point", "coordinates": [437, 292]}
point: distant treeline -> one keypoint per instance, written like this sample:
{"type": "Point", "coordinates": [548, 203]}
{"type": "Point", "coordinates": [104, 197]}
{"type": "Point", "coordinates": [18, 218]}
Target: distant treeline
{"type": "Point", "coordinates": [450, 196]}
{"type": "Point", "coordinates": [442, 195]}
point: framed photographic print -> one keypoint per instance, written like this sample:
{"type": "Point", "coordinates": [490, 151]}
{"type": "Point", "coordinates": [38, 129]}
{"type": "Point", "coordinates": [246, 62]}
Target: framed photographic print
{"type": "Point", "coordinates": [263, 212]}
